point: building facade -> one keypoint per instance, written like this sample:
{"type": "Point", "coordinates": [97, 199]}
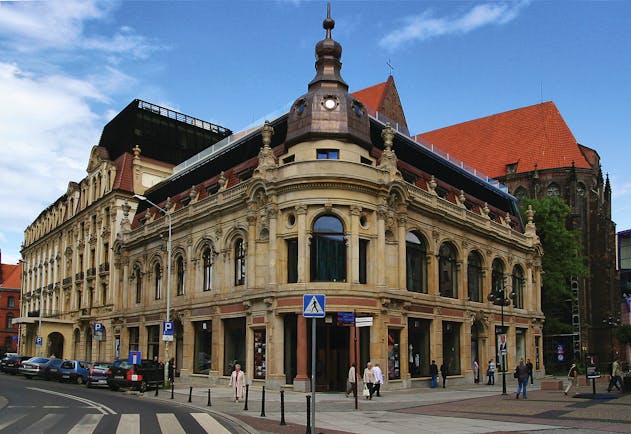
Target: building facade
{"type": "Point", "coordinates": [10, 290]}
{"type": "Point", "coordinates": [326, 199]}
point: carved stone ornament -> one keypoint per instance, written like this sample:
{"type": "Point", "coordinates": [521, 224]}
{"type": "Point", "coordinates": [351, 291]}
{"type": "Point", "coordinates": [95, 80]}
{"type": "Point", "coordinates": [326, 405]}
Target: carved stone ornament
{"type": "Point", "coordinates": [431, 185]}
{"type": "Point", "coordinates": [222, 181]}
{"type": "Point", "coordinates": [193, 194]}
{"type": "Point", "coordinates": [267, 159]}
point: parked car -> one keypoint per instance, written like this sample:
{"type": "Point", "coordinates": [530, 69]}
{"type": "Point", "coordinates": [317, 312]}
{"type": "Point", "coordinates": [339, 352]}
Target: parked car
{"type": "Point", "coordinates": [31, 367]}
{"type": "Point", "coordinates": [74, 371]}
{"type": "Point", "coordinates": [6, 358]}
{"type": "Point", "coordinates": [51, 370]}
{"type": "Point", "coordinates": [97, 374]}
{"type": "Point", "coordinates": [136, 376]}
{"type": "Point", "coordinates": [12, 365]}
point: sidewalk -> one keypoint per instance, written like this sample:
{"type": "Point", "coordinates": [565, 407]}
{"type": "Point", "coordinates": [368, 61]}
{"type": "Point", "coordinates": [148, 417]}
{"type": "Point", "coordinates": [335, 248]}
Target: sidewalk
{"type": "Point", "coordinates": [457, 409]}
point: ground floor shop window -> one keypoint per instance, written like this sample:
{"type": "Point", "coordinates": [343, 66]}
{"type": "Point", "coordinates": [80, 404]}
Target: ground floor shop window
{"type": "Point", "coordinates": [234, 344]}
{"type": "Point", "coordinates": [394, 352]}
{"type": "Point", "coordinates": [153, 341]}
{"type": "Point", "coordinates": [259, 354]}
{"type": "Point", "coordinates": [520, 345]}
{"type": "Point", "coordinates": [451, 347]}
{"type": "Point", "coordinates": [290, 339]}
{"type": "Point", "coordinates": [418, 347]}
{"type": "Point", "coordinates": [134, 338]}
{"type": "Point", "coordinates": [203, 341]}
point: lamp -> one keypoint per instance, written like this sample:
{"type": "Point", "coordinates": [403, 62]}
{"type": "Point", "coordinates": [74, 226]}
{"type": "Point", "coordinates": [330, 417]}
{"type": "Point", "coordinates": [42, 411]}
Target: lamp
{"type": "Point", "coordinates": [168, 315]}
{"type": "Point", "coordinates": [499, 298]}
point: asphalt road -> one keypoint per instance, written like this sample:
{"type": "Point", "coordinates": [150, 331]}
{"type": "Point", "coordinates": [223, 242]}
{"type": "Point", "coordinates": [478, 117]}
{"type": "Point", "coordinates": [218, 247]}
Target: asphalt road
{"type": "Point", "coordinates": [38, 406]}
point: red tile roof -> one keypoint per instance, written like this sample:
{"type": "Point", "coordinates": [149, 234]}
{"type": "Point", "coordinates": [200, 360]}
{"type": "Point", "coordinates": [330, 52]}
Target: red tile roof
{"type": "Point", "coordinates": [124, 179]}
{"type": "Point", "coordinates": [372, 96]}
{"type": "Point", "coordinates": [530, 136]}
{"type": "Point", "coordinates": [11, 276]}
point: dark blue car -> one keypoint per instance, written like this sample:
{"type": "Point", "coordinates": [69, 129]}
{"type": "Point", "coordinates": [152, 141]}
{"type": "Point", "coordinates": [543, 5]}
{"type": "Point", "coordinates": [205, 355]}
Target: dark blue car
{"type": "Point", "coordinates": [74, 371]}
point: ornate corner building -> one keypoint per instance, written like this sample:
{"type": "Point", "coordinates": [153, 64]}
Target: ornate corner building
{"type": "Point", "coordinates": [328, 198]}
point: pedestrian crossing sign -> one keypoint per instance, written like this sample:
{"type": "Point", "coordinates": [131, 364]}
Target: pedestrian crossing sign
{"type": "Point", "coordinates": [313, 305]}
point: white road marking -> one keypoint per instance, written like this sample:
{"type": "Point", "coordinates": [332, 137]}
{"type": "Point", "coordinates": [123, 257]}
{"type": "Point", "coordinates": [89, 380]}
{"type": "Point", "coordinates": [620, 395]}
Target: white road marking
{"type": "Point", "coordinates": [128, 424]}
{"type": "Point", "coordinates": [169, 424]}
{"type": "Point", "coordinates": [100, 407]}
{"type": "Point", "coordinates": [87, 424]}
{"type": "Point", "coordinates": [10, 420]}
{"type": "Point", "coordinates": [43, 425]}
{"type": "Point", "coordinates": [209, 423]}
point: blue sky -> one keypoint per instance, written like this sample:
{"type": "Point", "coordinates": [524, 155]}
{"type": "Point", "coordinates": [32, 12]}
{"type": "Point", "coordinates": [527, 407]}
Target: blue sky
{"type": "Point", "coordinates": [67, 67]}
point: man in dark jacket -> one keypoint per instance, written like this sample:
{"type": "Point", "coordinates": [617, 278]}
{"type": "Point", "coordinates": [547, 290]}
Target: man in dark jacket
{"type": "Point", "coordinates": [443, 373]}
{"type": "Point", "coordinates": [521, 372]}
{"type": "Point", "coordinates": [433, 370]}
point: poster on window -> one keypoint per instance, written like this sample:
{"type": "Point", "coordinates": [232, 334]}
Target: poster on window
{"type": "Point", "coordinates": [259, 354]}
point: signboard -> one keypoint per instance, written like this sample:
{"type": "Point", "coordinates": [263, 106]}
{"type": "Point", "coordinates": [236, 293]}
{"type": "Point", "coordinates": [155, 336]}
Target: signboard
{"type": "Point", "coordinates": [345, 318]}
{"type": "Point", "coordinates": [99, 328]}
{"type": "Point", "coordinates": [38, 341]}
{"type": "Point", "coordinates": [363, 321]}
{"type": "Point", "coordinates": [503, 345]}
{"type": "Point", "coordinates": [167, 331]}
{"type": "Point", "coordinates": [314, 305]}
{"type": "Point", "coordinates": [135, 357]}
{"type": "Point", "coordinates": [592, 372]}
{"type": "Point", "coordinates": [560, 351]}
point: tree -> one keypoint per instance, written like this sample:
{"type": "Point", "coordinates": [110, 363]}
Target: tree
{"type": "Point", "coordinates": [624, 334]}
{"type": "Point", "coordinates": [562, 259]}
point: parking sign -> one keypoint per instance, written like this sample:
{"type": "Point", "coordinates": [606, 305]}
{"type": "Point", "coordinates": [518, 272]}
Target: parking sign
{"type": "Point", "coordinates": [167, 330]}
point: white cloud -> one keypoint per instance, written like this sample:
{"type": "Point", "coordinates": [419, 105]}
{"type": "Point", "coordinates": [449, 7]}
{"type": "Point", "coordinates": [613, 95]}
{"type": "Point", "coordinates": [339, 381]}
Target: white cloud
{"type": "Point", "coordinates": [426, 26]}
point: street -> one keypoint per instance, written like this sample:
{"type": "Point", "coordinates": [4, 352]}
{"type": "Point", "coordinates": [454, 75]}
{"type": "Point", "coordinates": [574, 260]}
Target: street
{"type": "Point", "coordinates": [37, 406]}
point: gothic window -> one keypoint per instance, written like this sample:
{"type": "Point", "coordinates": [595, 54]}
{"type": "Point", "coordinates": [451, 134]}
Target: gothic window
{"type": "Point", "coordinates": [553, 190]}
{"type": "Point", "coordinates": [157, 281]}
{"type": "Point", "coordinates": [207, 258]}
{"type": "Point", "coordinates": [179, 265]}
{"type": "Point", "coordinates": [474, 277]}
{"type": "Point", "coordinates": [521, 193]}
{"type": "Point", "coordinates": [11, 302]}
{"type": "Point", "coordinates": [138, 277]}
{"type": "Point", "coordinates": [239, 262]}
{"type": "Point", "coordinates": [447, 276]}
{"type": "Point", "coordinates": [9, 321]}
{"type": "Point", "coordinates": [415, 263]}
{"type": "Point", "coordinates": [328, 250]}
{"type": "Point", "coordinates": [518, 287]}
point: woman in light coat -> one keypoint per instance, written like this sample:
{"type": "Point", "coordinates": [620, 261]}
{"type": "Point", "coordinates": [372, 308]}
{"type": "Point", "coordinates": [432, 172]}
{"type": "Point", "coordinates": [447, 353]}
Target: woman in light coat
{"type": "Point", "coordinates": [369, 379]}
{"type": "Point", "coordinates": [237, 382]}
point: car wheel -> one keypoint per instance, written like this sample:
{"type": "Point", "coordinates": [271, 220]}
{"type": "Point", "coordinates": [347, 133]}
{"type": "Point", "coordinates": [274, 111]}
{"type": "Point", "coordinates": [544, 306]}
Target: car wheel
{"type": "Point", "coordinates": [28, 377]}
{"type": "Point", "coordinates": [143, 386]}
{"type": "Point", "coordinates": [79, 379]}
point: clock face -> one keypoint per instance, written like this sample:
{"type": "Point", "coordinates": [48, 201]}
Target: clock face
{"type": "Point", "coordinates": [330, 103]}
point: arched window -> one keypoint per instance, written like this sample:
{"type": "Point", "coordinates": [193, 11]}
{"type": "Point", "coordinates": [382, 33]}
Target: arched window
{"type": "Point", "coordinates": [447, 277]}
{"type": "Point", "coordinates": [553, 190]}
{"type": "Point", "coordinates": [11, 301]}
{"type": "Point", "coordinates": [474, 277]}
{"type": "Point", "coordinates": [518, 287]}
{"type": "Point", "coordinates": [328, 250]}
{"type": "Point", "coordinates": [179, 266]}
{"type": "Point", "coordinates": [239, 262]}
{"type": "Point", "coordinates": [415, 263]}
{"type": "Point", "coordinates": [138, 277]}
{"type": "Point", "coordinates": [157, 280]}
{"type": "Point", "coordinates": [497, 276]}
{"type": "Point", "coordinates": [521, 193]}
{"type": "Point", "coordinates": [207, 259]}
{"type": "Point", "coordinates": [9, 320]}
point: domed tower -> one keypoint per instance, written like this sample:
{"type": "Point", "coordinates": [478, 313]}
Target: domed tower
{"type": "Point", "coordinates": [327, 110]}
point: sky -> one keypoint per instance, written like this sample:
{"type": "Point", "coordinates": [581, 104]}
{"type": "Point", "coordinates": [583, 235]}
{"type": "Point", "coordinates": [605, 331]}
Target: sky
{"type": "Point", "coordinates": [67, 67]}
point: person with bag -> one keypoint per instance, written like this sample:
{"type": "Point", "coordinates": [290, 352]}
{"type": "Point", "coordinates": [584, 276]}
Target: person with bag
{"type": "Point", "coordinates": [572, 376]}
{"type": "Point", "coordinates": [351, 383]}
{"type": "Point", "coordinates": [369, 381]}
{"type": "Point", "coordinates": [521, 373]}
{"type": "Point", "coordinates": [237, 382]}
{"type": "Point", "coordinates": [378, 380]}
{"type": "Point", "coordinates": [476, 371]}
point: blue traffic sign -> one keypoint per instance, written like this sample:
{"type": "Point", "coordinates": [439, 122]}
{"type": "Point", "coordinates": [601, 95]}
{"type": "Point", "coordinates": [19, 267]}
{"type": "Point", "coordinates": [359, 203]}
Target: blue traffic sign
{"type": "Point", "coordinates": [345, 318]}
{"type": "Point", "coordinates": [38, 341]}
{"type": "Point", "coordinates": [314, 305]}
{"type": "Point", "coordinates": [135, 357]}
{"type": "Point", "coordinates": [98, 327]}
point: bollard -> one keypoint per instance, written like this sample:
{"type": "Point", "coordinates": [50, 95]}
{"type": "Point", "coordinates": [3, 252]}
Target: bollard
{"type": "Point", "coordinates": [308, 414]}
{"type": "Point", "coordinates": [247, 393]}
{"type": "Point", "coordinates": [190, 393]}
{"type": "Point", "coordinates": [157, 387]}
{"type": "Point", "coordinates": [209, 404]}
{"type": "Point", "coordinates": [172, 388]}
{"type": "Point", "coordinates": [263, 403]}
{"type": "Point", "coordinates": [282, 407]}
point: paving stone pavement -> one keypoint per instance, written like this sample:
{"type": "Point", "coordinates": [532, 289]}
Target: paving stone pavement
{"type": "Point", "coordinates": [457, 409]}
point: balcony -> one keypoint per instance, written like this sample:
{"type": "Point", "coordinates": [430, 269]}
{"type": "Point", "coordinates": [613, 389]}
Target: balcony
{"type": "Point", "coordinates": [33, 314]}
{"type": "Point", "coordinates": [78, 277]}
{"type": "Point", "coordinates": [104, 268]}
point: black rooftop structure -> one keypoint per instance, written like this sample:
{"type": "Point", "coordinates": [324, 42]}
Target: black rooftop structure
{"type": "Point", "coordinates": [161, 133]}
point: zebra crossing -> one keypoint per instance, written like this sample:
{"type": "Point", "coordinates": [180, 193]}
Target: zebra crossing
{"type": "Point", "coordinates": [168, 423]}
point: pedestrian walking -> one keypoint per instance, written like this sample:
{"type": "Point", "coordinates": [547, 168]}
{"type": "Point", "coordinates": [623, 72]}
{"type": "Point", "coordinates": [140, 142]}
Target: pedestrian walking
{"type": "Point", "coordinates": [615, 379]}
{"type": "Point", "coordinates": [171, 370]}
{"type": "Point", "coordinates": [443, 373]}
{"type": "Point", "coordinates": [378, 379]}
{"type": "Point", "coordinates": [369, 379]}
{"type": "Point", "coordinates": [433, 370]}
{"type": "Point", "coordinates": [572, 377]}
{"type": "Point", "coordinates": [521, 373]}
{"type": "Point", "coordinates": [351, 382]}
{"type": "Point", "coordinates": [491, 372]}
{"type": "Point", "coordinates": [530, 368]}
{"type": "Point", "coordinates": [476, 371]}
{"type": "Point", "coordinates": [237, 382]}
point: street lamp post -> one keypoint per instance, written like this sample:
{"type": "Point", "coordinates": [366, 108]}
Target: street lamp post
{"type": "Point", "coordinates": [500, 298]}
{"type": "Point", "coordinates": [168, 313]}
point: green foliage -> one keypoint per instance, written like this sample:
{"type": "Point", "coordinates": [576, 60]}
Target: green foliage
{"type": "Point", "coordinates": [623, 333]}
{"type": "Point", "coordinates": [561, 260]}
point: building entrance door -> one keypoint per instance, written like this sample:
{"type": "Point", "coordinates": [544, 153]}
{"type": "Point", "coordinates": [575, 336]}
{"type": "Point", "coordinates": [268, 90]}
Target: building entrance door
{"type": "Point", "coordinates": [332, 357]}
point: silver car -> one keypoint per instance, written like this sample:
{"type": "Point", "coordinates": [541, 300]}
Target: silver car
{"type": "Point", "coordinates": [32, 367]}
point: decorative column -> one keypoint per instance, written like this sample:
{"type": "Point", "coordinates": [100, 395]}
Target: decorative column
{"type": "Point", "coordinates": [301, 382]}
{"type": "Point", "coordinates": [272, 213]}
{"type": "Point", "coordinates": [301, 212]}
{"type": "Point", "coordinates": [382, 214]}
{"type": "Point", "coordinates": [188, 344]}
{"type": "Point", "coordinates": [354, 253]}
{"type": "Point", "coordinates": [250, 253]}
{"type": "Point", "coordinates": [275, 352]}
{"type": "Point", "coordinates": [217, 350]}
{"type": "Point", "coordinates": [402, 220]}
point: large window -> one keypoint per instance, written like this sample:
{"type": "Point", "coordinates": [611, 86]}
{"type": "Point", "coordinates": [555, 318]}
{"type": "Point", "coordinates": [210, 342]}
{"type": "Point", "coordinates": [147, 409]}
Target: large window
{"type": "Point", "coordinates": [203, 342]}
{"type": "Point", "coordinates": [553, 190]}
{"type": "Point", "coordinates": [207, 258]}
{"type": "Point", "coordinates": [474, 277]}
{"type": "Point", "coordinates": [138, 278]}
{"type": "Point", "coordinates": [415, 263]}
{"type": "Point", "coordinates": [497, 277]}
{"type": "Point", "coordinates": [134, 338]}
{"type": "Point", "coordinates": [292, 260]}
{"type": "Point", "coordinates": [153, 341]}
{"type": "Point", "coordinates": [363, 260]}
{"type": "Point", "coordinates": [394, 354]}
{"type": "Point", "coordinates": [418, 347]}
{"type": "Point", "coordinates": [328, 250]}
{"type": "Point", "coordinates": [11, 302]}
{"type": "Point", "coordinates": [239, 262]}
{"type": "Point", "coordinates": [260, 363]}
{"type": "Point", "coordinates": [179, 265]}
{"type": "Point", "coordinates": [9, 321]}
{"type": "Point", "coordinates": [451, 347]}
{"type": "Point", "coordinates": [518, 287]}
{"type": "Point", "coordinates": [234, 344]}
{"type": "Point", "coordinates": [157, 281]}
{"type": "Point", "coordinates": [447, 276]}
